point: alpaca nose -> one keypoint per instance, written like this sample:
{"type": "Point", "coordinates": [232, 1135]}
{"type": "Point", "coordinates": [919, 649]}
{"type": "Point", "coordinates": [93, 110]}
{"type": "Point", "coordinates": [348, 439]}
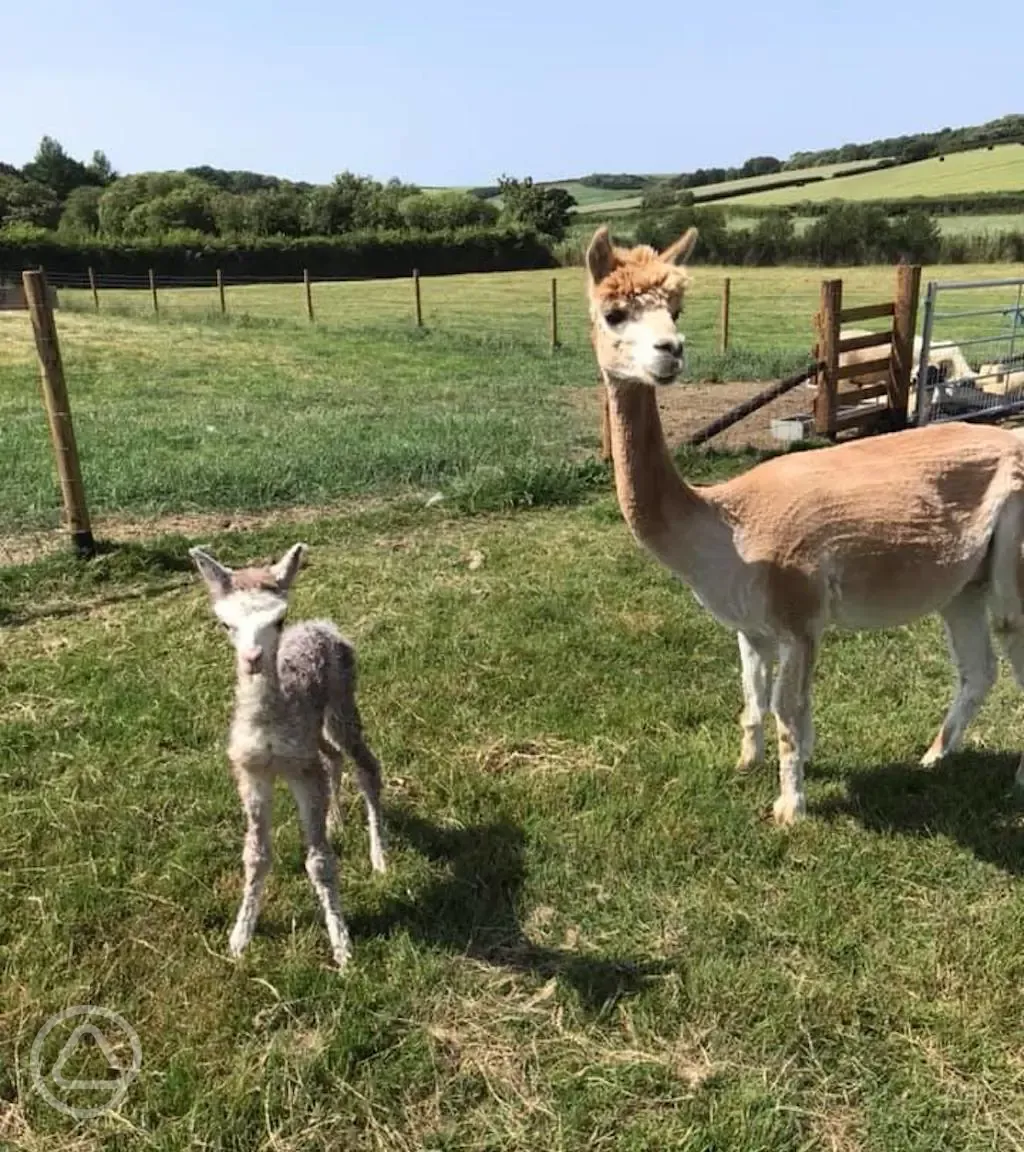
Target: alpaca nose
{"type": "Point", "coordinates": [671, 345]}
{"type": "Point", "coordinates": [251, 658]}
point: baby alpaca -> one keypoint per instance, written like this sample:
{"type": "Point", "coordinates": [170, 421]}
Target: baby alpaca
{"type": "Point", "coordinates": [295, 711]}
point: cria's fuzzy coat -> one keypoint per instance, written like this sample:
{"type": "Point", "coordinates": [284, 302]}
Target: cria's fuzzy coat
{"type": "Point", "coordinates": [295, 711]}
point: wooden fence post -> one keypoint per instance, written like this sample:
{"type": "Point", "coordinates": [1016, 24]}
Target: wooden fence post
{"type": "Point", "coordinates": [726, 289]}
{"type": "Point", "coordinates": [554, 313]}
{"type": "Point", "coordinates": [908, 289]}
{"type": "Point", "coordinates": [309, 294]}
{"type": "Point", "coordinates": [95, 291]}
{"type": "Point", "coordinates": [220, 289]}
{"type": "Point", "coordinates": [152, 288]}
{"type": "Point", "coordinates": [58, 412]}
{"type": "Point", "coordinates": [828, 353]}
{"type": "Point", "coordinates": [416, 293]}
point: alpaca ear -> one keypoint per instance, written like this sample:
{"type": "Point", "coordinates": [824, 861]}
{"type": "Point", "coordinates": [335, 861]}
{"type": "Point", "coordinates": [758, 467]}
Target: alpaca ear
{"type": "Point", "coordinates": [679, 252]}
{"type": "Point", "coordinates": [600, 256]}
{"type": "Point", "coordinates": [217, 577]}
{"type": "Point", "coordinates": [287, 568]}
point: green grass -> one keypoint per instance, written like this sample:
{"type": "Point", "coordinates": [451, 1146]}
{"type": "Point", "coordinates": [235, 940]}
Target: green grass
{"type": "Point", "coordinates": [950, 225]}
{"type": "Point", "coordinates": [593, 201]}
{"type": "Point", "coordinates": [588, 936]}
{"type": "Point", "coordinates": [189, 412]}
{"type": "Point", "coordinates": [981, 225]}
{"type": "Point", "coordinates": [959, 173]}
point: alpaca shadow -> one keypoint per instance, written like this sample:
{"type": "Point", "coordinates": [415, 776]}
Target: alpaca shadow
{"type": "Point", "coordinates": [472, 911]}
{"type": "Point", "coordinates": [969, 798]}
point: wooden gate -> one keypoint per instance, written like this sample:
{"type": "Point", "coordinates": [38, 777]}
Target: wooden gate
{"type": "Point", "coordinates": [877, 389]}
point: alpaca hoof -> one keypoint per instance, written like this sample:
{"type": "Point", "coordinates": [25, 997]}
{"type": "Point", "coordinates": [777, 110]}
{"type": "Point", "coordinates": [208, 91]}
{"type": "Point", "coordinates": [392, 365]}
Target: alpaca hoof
{"type": "Point", "coordinates": [342, 955]}
{"type": "Point", "coordinates": [747, 763]}
{"type": "Point", "coordinates": [377, 862]}
{"type": "Point", "coordinates": [788, 810]}
{"type": "Point", "coordinates": [238, 941]}
{"type": "Point", "coordinates": [932, 756]}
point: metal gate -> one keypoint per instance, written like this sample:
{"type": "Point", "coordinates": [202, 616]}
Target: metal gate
{"type": "Point", "coordinates": [970, 354]}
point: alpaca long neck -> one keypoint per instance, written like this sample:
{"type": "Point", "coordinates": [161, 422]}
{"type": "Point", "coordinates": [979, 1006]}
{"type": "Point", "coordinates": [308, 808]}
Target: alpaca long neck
{"type": "Point", "coordinates": [257, 698]}
{"type": "Point", "coordinates": [664, 513]}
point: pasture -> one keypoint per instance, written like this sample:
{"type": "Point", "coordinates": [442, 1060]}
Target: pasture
{"type": "Point", "coordinates": [593, 201]}
{"type": "Point", "coordinates": [1000, 169]}
{"type": "Point", "coordinates": [270, 411]}
{"type": "Point", "coordinates": [589, 936]}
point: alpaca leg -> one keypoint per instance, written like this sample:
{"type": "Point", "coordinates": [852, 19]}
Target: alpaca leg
{"type": "Point", "coordinates": [791, 703]}
{"type": "Point", "coordinates": [348, 733]}
{"type": "Point", "coordinates": [1012, 642]}
{"type": "Point", "coordinates": [368, 780]}
{"type": "Point", "coordinates": [756, 656]}
{"type": "Point", "coordinates": [970, 645]}
{"type": "Point", "coordinates": [312, 795]}
{"type": "Point", "coordinates": [330, 762]}
{"type": "Point", "coordinates": [256, 793]}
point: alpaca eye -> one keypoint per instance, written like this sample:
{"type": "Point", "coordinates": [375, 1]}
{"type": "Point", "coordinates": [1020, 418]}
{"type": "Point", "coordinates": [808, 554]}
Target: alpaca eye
{"type": "Point", "coordinates": [616, 317]}
{"type": "Point", "coordinates": [675, 313]}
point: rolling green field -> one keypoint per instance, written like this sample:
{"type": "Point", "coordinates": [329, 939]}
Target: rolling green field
{"type": "Point", "coordinates": [597, 200]}
{"type": "Point", "coordinates": [589, 936]}
{"type": "Point", "coordinates": [1000, 169]}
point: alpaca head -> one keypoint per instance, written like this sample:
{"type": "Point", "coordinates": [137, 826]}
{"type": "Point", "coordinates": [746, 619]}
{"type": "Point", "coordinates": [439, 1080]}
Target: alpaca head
{"type": "Point", "coordinates": [251, 604]}
{"type": "Point", "coordinates": [636, 296]}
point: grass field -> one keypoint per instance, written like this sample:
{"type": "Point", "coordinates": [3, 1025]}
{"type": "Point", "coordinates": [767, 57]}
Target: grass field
{"type": "Point", "coordinates": [960, 173]}
{"type": "Point", "coordinates": [589, 937]}
{"type": "Point", "coordinates": [270, 411]}
{"type": "Point", "coordinates": [949, 225]}
{"type": "Point", "coordinates": [597, 200]}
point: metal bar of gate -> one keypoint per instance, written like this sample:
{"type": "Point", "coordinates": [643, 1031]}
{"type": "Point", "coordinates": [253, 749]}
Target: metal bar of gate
{"type": "Point", "coordinates": [926, 340]}
{"type": "Point", "coordinates": [955, 284]}
{"type": "Point", "coordinates": [1017, 319]}
{"type": "Point", "coordinates": [973, 340]}
{"type": "Point", "coordinates": [959, 315]}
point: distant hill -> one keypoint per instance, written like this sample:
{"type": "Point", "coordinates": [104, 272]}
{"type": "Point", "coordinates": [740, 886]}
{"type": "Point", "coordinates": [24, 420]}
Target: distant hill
{"type": "Point", "coordinates": [971, 160]}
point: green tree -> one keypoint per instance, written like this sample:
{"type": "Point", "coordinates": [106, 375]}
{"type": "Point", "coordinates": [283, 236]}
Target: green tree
{"type": "Point", "coordinates": [100, 169]}
{"type": "Point", "coordinates": [441, 211]}
{"type": "Point", "coordinates": [55, 169]}
{"type": "Point", "coordinates": [81, 215]}
{"type": "Point", "coordinates": [274, 212]}
{"type": "Point", "coordinates": [916, 238]}
{"type": "Point", "coordinates": [27, 202]}
{"type": "Point", "coordinates": [548, 210]}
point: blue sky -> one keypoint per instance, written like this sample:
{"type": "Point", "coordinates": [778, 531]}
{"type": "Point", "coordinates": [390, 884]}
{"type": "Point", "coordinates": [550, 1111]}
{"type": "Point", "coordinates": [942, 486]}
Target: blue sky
{"type": "Point", "coordinates": [448, 92]}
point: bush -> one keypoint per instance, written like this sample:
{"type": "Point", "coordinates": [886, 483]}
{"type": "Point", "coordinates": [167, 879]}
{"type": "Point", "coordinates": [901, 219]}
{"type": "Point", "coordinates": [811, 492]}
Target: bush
{"type": "Point", "coordinates": [528, 205]}
{"type": "Point", "coordinates": [384, 254]}
{"type": "Point", "coordinates": [440, 211]}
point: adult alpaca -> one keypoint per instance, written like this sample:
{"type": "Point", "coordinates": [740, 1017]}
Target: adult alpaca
{"type": "Point", "coordinates": [869, 534]}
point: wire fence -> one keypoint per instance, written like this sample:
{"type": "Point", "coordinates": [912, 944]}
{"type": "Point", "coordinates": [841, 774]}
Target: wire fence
{"type": "Point", "coordinates": [975, 376]}
{"type": "Point", "coordinates": [157, 392]}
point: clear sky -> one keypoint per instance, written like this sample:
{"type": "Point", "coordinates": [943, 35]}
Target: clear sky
{"type": "Point", "coordinates": [459, 92]}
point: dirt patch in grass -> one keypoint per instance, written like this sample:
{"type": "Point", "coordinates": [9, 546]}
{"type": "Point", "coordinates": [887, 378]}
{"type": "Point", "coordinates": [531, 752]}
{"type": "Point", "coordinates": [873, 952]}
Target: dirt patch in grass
{"type": "Point", "coordinates": [24, 547]}
{"type": "Point", "coordinates": [685, 408]}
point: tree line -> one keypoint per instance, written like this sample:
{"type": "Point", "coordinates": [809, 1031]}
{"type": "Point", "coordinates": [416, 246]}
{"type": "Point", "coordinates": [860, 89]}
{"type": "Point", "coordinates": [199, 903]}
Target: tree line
{"type": "Point", "coordinates": [845, 233]}
{"type": "Point", "coordinates": [893, 149]}
{"type": "Point", "coordinates": [89, 201]}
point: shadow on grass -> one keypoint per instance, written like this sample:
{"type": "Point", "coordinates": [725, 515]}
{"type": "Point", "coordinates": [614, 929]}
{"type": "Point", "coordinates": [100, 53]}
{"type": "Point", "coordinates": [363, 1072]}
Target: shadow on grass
{"type": "Point", "coordinates": [969, 798]}
{"type": "Point", "coordinates": [472, 911]}
{"type": "Point", "coordinates": [49, 588]}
